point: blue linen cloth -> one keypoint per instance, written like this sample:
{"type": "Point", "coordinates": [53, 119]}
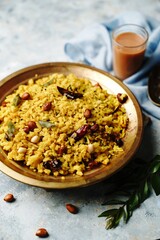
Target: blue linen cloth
{"type": "Point", "coordinates": [92, 46]}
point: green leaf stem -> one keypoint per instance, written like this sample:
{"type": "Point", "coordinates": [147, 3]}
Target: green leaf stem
{"type": "Point", "coordinates": [139, 186]}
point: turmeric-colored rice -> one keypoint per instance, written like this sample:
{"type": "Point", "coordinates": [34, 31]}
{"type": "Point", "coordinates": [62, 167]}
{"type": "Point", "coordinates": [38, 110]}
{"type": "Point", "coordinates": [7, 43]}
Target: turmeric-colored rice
{"type": "Point", "coordinates": [69, 136]}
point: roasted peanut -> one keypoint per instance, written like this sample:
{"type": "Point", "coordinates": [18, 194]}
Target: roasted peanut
{"type": "Point", "coordinates": [42, 233]}
{"type": "Point", "coordinates": [94, 127]}
{"type": "Point", "coordinates": [90, 148]}
{"type": "Point", "coordinates": [26, 129]}
{"type": "Point", "coordinates": [25, 96]}
{"type": "Point", "coordinates": [22, 150]}
{"type": "Point", "coordinates": [9, 197]}
{"type": "Point", "coordinates": [35, 139]}
{"type": "Point", "coordinates": [87, 113]}
{"type": "Point", "coordinates": [47, 106]}
{"type": "Point", "coordinates": [72, 208]}
{"type": "Point", "coordinates": [62, 149]}
{"type": "Point", "coordinates": [32, 125]}
{"type": "Point", "coordinates": [4, 104]}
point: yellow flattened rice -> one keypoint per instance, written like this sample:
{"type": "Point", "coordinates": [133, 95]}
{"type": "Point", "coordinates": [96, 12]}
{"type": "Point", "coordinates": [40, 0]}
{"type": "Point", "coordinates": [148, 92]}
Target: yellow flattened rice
{"type": "Point", "coordinates": [60, 125]}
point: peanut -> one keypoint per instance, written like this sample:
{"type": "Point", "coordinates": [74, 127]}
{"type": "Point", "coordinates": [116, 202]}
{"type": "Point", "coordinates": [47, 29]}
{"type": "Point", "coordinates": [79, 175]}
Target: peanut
{"type": "Point", "coordinates": [25, 96]}
{"type": "Point", "coordinates": [71, 208]}
{"type": "Point", "coordinates": [9, 197]}
{"type": "Point", "coordinates": [42, 233]}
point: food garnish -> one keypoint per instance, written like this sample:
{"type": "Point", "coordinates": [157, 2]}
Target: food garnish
{"type": "Point", "coordinates": [69, 94]}
{"type": "Point", "coordinates": [62, 125]}
{"type": "Point", "coordinates": [143, 177]}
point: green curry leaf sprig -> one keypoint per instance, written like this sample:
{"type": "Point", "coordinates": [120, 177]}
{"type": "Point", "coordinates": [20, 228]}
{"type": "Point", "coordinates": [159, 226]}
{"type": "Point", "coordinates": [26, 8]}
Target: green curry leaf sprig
{"type": "Point", "coordinates": [143, 178]}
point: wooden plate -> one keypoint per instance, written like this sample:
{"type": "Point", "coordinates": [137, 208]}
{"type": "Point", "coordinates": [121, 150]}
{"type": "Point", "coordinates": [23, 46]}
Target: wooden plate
{"type": "Point", "coordinates": [131, 143]}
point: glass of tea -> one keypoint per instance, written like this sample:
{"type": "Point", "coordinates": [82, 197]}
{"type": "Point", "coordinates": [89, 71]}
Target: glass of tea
{"type": "Point", "coordinates": [129, 45]}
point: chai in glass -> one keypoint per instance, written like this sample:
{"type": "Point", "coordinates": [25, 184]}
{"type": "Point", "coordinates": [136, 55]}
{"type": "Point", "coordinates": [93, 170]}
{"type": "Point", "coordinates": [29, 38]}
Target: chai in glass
{"type": "Point", "coordinates": [129, 45]}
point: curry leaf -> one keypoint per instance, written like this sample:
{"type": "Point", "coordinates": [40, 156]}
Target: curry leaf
{"type": "Point", "coordinates": [119, 215]}
{"type": "Point", "coordinates": [10, 131]}
{"type": "Point", "coordinates": [110, 223]}
{"type": "Point", "coordinates": [11, 128]}
{"type": "Point", "coordinates": [155, 181]}
{"type": "Point", "coordinates": [46, 124]}
{"type": "Point", "coordinates": [140, 188]}
{"type": "Point", "coordinates": [155, 167]}
{"type": "Point", "coordinates": [48, 83]}
{"type": "Point", "coordinates": [16, 100]}
{"type": "Point", "coordinates": [146, 190]}
{"type": "Point", "coordinates": [108, 213]}
{"type": "Point", "coordinates": [133, 202]}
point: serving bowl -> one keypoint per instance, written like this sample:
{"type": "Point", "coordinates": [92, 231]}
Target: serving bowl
{"type": "Point", "coordinates": [132, 139]}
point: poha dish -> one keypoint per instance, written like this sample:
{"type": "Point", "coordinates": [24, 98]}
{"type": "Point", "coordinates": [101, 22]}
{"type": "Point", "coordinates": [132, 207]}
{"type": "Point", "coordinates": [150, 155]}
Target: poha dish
{"type": "Point", "coordinates": [61, 124]}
